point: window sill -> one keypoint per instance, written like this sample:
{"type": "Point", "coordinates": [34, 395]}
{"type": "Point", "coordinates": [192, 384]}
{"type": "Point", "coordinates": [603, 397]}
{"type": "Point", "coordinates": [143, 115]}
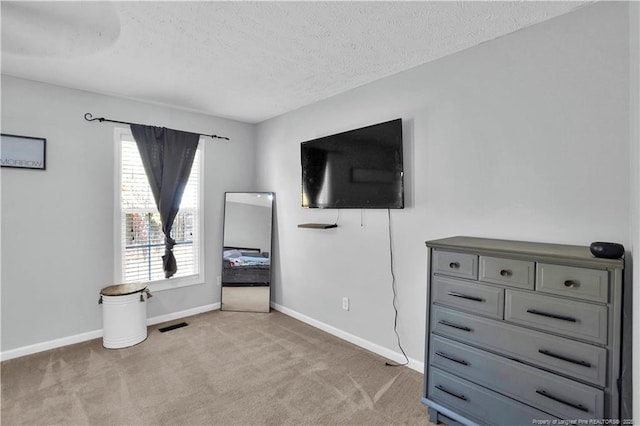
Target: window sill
{"type": "Point", "coordinates": [173, 283]}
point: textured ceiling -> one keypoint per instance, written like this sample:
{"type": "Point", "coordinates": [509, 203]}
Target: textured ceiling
{"type": "Point", "coordinates": [248, 61]}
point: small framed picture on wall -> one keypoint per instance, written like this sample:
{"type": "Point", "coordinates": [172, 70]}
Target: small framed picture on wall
{"type": "Point", "coordinates": [23, 152]}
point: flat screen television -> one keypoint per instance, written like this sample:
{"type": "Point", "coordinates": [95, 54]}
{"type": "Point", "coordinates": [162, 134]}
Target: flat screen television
{"type": "Point", "coordinates": [357, 169]}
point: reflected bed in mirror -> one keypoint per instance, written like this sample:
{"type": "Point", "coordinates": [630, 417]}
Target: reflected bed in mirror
{"type": "Point", "coordinates": [246, 251]}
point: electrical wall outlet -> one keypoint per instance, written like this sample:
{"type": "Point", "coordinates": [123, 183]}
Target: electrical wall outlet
{"type": "Point", "coordinates": [345, 303]}
{"type": "Point", "coordinates": [219, 280]}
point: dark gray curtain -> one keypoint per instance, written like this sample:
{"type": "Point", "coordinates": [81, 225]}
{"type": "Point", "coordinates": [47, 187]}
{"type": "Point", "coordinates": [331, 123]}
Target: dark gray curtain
{"type": "Point", "coordinates": [167, 156]}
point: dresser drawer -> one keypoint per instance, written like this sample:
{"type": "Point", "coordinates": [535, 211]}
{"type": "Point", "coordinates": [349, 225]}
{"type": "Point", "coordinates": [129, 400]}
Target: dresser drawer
{"type": "Point", "coordinates": [476, 402]}
{"type": "Point", "coordinates": [580, 360]}
{"type": "Point", "coordinates": [554, 394]}
{"type": "Point", "coordinates": [455, 264]}
{"type": "Point", "coordinates": [510, 272]}
{"type": "Point", "coordinates": [468, 295]}
{"type": "Point", "coordinates": [581, 320]}
{"type": "Point", "coordinates": [582, 283]}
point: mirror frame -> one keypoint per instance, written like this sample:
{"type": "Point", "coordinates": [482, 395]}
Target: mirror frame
{"type": "Point", "coordinates": [246, 297]}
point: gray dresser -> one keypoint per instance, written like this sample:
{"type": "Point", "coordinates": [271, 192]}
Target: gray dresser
{"type": "Point", "coordinates": [520, 331]}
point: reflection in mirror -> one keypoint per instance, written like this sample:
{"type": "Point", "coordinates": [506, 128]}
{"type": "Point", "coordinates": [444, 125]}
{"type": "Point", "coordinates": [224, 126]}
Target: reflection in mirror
{"type": "Point", "coordinates": [246, 251]}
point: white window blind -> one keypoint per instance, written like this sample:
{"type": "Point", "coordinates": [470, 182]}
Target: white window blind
{"type": "Point", "coordinates": [142, 239]}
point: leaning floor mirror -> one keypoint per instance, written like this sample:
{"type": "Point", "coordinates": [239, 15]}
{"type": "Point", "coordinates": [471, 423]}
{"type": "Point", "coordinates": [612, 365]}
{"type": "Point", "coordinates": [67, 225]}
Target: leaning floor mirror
{"type": "Point", "coordinates": [246, 251]}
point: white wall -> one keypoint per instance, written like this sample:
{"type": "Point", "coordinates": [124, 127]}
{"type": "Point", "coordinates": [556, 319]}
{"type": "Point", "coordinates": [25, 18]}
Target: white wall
{"type": "Point", "coordinates": [634, 158]}
{"type": "Point", "coordinates": [57, 225]}
{"type": "Point", "coordinates": [248, 225]}
{"type": "Point", "coordinates": [525, 137]}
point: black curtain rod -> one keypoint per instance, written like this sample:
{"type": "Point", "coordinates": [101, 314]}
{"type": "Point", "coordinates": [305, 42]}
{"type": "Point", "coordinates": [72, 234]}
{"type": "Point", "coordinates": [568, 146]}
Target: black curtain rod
{"type": "Point", "coordinates": [90, 117]}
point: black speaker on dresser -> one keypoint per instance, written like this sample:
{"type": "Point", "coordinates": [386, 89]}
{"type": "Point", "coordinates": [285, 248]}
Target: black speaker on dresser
{"type": "Point", "coordinates": [607, 250]}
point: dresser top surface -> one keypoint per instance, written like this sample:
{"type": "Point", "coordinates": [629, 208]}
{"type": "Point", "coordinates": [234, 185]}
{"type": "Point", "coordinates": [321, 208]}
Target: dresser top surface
{"type": "Point", "coordinates": [575, 255]}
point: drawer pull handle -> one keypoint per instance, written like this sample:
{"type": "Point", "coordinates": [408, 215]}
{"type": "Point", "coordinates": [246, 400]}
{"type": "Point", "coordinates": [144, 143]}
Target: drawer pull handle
{"type": "Point", "coordinates": [450, 324]}
{"type": "Point", "coordinates": [457, 395]}
{"type": "Point", "coordinates": [451, 358]}
{"type": "Point", "coordinates": [506, 272]}
{"type": "Point", "coordinates": [464, 296]}
{"type": "Point", "coordinates": [555, 398]}
{"type": "Point", "coordinates": [564, 358]}
{"type": "Point", "coordinates": [571, 283]}
{"type": "Point", "coordinates": [454, 265]}
{"type": "Point", "coordinates": [548, 315]}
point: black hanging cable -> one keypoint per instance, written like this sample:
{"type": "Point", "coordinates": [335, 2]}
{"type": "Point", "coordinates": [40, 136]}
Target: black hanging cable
{"type": "Point", "coordinates": [90, 117]}
{"type": "Point", "coordinates": [395, 309]}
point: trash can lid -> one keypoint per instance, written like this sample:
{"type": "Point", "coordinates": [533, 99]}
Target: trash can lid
{"type": "Point", "coordinates": [123, 289]}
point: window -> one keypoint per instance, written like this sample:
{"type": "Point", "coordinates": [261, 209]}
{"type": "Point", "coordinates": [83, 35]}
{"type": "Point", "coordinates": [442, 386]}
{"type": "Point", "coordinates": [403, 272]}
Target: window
{"type": "Point", "coordinates": [140, 241]}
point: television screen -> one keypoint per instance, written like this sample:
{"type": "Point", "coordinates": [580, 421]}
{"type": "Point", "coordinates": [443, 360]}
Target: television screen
{"type": "Point", "coordinates": [361, 169]}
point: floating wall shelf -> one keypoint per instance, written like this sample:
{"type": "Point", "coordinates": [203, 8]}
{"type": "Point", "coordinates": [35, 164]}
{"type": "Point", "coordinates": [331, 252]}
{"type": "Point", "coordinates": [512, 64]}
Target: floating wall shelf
{"type": "Point", "coordinates": [318, 225]}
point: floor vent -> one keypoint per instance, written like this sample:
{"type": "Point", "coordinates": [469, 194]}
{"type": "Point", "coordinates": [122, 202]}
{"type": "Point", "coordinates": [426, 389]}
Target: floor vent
{"type": "Point", "coordinates": [173, 327]}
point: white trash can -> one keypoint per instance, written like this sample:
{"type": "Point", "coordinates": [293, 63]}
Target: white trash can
{"type": "Point", "coordinates": [124, 314]}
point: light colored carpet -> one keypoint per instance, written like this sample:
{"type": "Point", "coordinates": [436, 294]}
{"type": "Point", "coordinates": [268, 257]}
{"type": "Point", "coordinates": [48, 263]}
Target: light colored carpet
{"type": "Point", "coordinates": [224, 368]}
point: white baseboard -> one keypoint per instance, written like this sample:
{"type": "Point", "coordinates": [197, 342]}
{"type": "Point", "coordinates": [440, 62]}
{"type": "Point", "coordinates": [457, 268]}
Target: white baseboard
{"type": "Point", "coordinates": [97, 334]}
{"type": "Point", "coordinates": [182, 314]}
{"type": "Point", "coordinates": [358, 341]}
{"type": "Point", "coordinates": [51, 344]}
